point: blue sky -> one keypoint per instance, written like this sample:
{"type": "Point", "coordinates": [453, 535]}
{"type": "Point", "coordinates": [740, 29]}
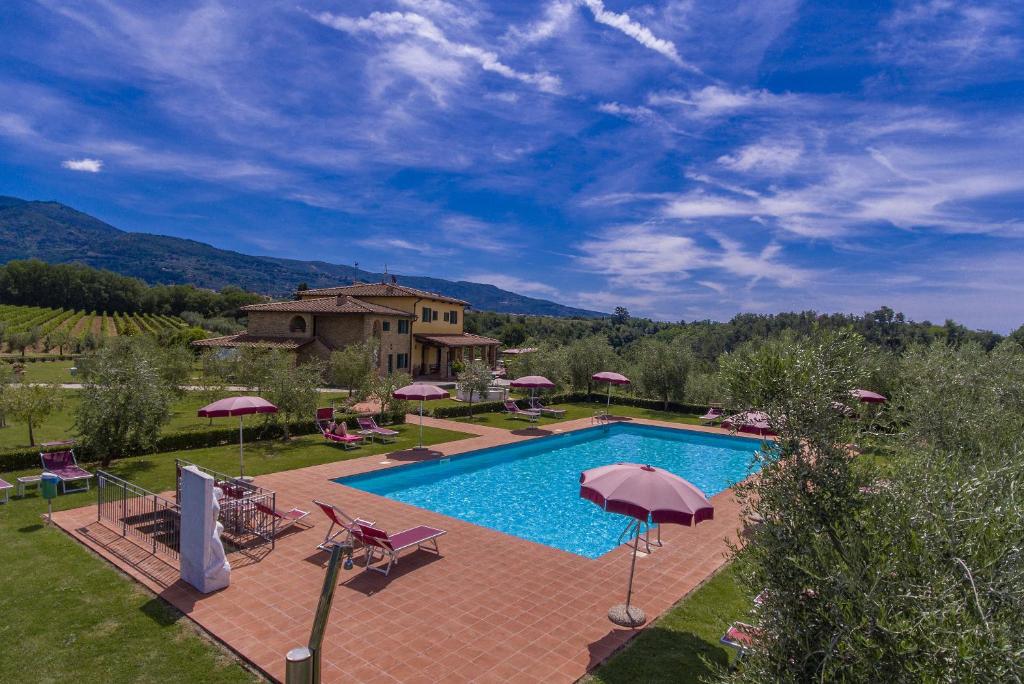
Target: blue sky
{"type": "Point", "coordinates": [684, 159]}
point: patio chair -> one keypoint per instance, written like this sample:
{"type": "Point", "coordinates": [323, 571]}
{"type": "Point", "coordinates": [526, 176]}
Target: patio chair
{"type": "Point", "coordinates": [512, 409]}
{"type": "Point", "coordinates": [376, 539]}
{"type": "Point", "coordinates": [337, 433]}
{"type": "Point", "coordinates": [66, 468]}
{"type": "Point", "coordinates": [345, 524]}
{"type": "Point", "coordinates": [283, 519]}
{"type": "Point", "coordinates": [368, 424]}
{"type": "Point", "coordinates": [535, 405]}
{"type": "Point", "coordinates": [714, 414]}
{"type": "Point", "coordinates": [740, 636]}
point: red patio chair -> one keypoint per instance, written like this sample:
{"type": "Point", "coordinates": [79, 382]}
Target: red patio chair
{"type": "Point", "coordinates": [345, 525]}
{"type": "Point", "coordinates": [368, 424]}
{"type": "Point", "coordinates": [391, 545]}
{"type": "Point", "coordinates": [66, 468]}
{"type": "Point", "coordinates": [284, 519]}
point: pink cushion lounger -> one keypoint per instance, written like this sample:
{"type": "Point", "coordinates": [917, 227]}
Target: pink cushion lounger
{"type": "Point", "coordinates": [740, 636]}
{"type": "Point", "coordinates": [6, 488]}
{"type": "Point", "coordinates": [370, 425]}
{"type": "Point", "coordinates": [64, 466]}
{"type": "Point", "coordinates": [345, 525]}
{"type": "Point", "coordinates": [338, 433]}
{"type": "Point", "coordinates": [535, 405]}
{"type": "Point", "coordinates": [391, 545]}
{"type": "Point", "coordinates": [714, 414]}
{"type": "Point", "coordinates": [284, 519]}
{"type": "Point", "coordinates": [512, 409]}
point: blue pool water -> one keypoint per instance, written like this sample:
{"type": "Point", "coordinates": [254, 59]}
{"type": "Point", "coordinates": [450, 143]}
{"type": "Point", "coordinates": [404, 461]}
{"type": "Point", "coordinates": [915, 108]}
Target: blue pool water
{"type": "Point", "coordinates": [531, 489]}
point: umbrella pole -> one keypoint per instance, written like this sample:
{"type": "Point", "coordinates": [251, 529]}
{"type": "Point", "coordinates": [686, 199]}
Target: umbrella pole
{"type": "Point", "coordinates": [241, 453]}
{"type": "Point", "coordinates": [608, 406]}
{"type": "Point", "coordinates": [632, 568]}
{"type": "Point", "coordinates": [421, 423]}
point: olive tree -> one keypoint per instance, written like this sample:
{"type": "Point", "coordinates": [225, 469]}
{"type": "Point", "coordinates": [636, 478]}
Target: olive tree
{"type": "Point", "coordinates": [6, 380]}
{"type": "Point", "coordinates": [351, 367]}
{"type": "Point", "coordinates": [382, 388]}
{"type": "Point", "coordinates": [293, 388]}
{"type": "Point", "coordinates": [584, 357]}
{"type": "Point", "coordinates": [661, 368]}
{"type": "Point", "coordinates": [124, 401]}
{"type": "Point", "coordinates": [474, 380]}
{"type": "Point", "coordinates": [31, 404]}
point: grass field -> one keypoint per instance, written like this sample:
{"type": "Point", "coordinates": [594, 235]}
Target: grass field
{"type": "Point", "coordinates": [574, 411]}
{"type": "Point", "coordinates": [683, 646]}
{"type": "Point", "coordinates": [68, 616]}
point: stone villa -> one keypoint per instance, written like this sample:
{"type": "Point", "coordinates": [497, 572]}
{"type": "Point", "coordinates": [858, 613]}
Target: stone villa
{"type": "Point", "coordinates": [414, 331]}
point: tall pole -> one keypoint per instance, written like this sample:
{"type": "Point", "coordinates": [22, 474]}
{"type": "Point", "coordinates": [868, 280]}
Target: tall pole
{"type": "Point", "coordinates": [608, 406]}
{"type": "Point", "coordinates": [241, 455]}
{"type": "Point", "coordinates": [632, 568]}
{"type": "Point", "coordinates": [421, 423]}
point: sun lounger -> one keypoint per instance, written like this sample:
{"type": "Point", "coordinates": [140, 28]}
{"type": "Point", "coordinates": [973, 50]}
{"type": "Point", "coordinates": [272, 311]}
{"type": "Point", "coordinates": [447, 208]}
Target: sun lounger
{"type": "Point", "coordinates": [714, 414]}
{"type": "Point", "coordinates": [740, 636]}
{"type": "Point", "coordinates": [390, 546]}
{"type": "Point", "coordinates": [512, 409]}
{"type": "Point", "coordinates": [535, 405]}
{"type": "Point", "coordinates": [338, 434]}
{"type": "Point", "coordinates": [6, 488]}
{"type": "Point", "coordinates": [345, 525]}
{"type": "Point", "coordinates": [66, 468]}
{"type": "Point", "coordinates": [370, 426]}
{"type": "Point", "coordinates": [284, 519]}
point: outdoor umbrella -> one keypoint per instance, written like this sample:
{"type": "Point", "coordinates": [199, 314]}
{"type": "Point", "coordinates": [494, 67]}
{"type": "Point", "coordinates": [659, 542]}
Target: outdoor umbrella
{"type": "Point", "coordinates": [421, 392]}
{"type": "Point", "coordinates": [867, 396]}
{"type": "Point", "coordinates": [533, 382]}
{"type": "Point", "coordinates": [612, 379]}
{"type": "Point", "coordinates": [751, 422]}
{"type": "Point", "coordinates": [648, 494]}
{"type": "Point", "coordinates": [238, 406]}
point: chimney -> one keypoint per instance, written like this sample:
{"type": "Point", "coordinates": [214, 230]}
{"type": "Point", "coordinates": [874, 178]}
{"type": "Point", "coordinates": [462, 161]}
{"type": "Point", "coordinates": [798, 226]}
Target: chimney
{"type": "Point", "coordinates": [394, 280]}
{"type": "Point", "coordinates": [341, 300]}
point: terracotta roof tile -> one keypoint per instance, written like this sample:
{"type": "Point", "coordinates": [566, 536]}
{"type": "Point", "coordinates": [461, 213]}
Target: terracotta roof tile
{"type": "Point", "coordinates": [247, 340]}
{"type": "Point", "coordinates": [378, 290]}
{"type": "Point", "coordinates": [463, 340]}
{"type": "Point", "coordinates": [328, 305]}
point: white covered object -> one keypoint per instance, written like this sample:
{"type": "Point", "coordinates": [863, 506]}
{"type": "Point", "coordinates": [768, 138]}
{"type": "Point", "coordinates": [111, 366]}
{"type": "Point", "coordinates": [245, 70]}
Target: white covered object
{"type": "Point", "coordinates": [203, 563]}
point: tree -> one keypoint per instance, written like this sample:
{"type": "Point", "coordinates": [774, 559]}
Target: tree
{"type": "Point", "coordinates": [6, 380]}
{"type": "Point", "coordinates": [58, 339]}
{"type": "Point", "coordinates": [293, 388]}
{"type": "Point", "coordinates": [21, 341]}
{"type": "Point", "coordinates": [351, 367]}
{"type": "Point", "coordinates": [585, 357]}
{"type": "Point", "coordinates": [124, 401]}
{"type": "Point", "coordinates": [382, 387]}
{"type": "Point", "coordinates": [474, 380]}
{"type": "Point", "coordinates": [31, 404]}
{"type": "Point", "coordinates": [254, 367]}
{"type": "Point", "coordinates": [661, 368]}
{"type": "Point", "coordinates": [621, 315]}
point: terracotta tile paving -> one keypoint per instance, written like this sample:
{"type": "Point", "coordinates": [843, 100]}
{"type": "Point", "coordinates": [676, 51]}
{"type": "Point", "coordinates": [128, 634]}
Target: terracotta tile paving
{"type": "Point", "coordinates": [491, 608]}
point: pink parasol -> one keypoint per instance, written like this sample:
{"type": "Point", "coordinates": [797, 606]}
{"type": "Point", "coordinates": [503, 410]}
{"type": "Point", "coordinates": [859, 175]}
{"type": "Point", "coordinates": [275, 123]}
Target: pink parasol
{"type": "Point", "coordinates": [867, 396]}
{"type": "Point", "coordinates": [648, 494]}
{"type": "Point", "coordinates": [421, 392]}
{"type": "Point", "coordinates": [237, 406]}
{"type": "Point", "coordinates": [533, 382]}
{"type": "Point", "coordinates": [612, 379]}
{"type": "Point", "coordinates": [750, 422]}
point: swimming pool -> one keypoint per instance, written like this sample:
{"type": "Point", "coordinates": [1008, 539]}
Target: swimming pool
{"type": "Point", "coordinates": [531, 489]}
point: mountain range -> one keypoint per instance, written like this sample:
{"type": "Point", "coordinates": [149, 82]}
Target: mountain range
{"type": "Point", "coordinates": [56, 233]}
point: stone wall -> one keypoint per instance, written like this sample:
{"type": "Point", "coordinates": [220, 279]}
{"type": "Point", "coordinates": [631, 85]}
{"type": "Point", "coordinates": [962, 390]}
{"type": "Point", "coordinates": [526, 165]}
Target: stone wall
{"type": "Point", "coordinates": [277, 324]}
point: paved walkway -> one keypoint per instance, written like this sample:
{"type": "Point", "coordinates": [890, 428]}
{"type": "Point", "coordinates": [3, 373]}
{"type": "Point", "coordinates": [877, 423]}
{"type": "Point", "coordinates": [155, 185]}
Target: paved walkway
{"type": "Point", "coordinates": [491, 608]}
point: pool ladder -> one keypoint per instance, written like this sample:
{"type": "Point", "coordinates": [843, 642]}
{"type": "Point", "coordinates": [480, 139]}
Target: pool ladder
{"type": "Point", "coordinates": [645, 538]}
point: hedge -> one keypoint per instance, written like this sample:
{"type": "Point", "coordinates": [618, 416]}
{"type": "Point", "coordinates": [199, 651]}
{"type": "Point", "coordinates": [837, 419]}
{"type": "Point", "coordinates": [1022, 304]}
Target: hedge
{"type": "Point", "coordinates": [40, 358]}
{"type": "Point", "coordinates": [463, 410]}
{"type": "Point", "coordinates": [179, 441]}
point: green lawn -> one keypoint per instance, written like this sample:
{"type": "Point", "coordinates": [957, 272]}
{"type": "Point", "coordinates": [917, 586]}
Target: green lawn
{"type": "Point", "coordinates": [683, 646]}
{"type": "Point", "coordinates": [577, 410]}
{"type": "Point", "coordinates": [183, 418]}
{"type": "Point", "coordinates": [69, 616]}
{"type": "Point", "coordinates": [49, 371]}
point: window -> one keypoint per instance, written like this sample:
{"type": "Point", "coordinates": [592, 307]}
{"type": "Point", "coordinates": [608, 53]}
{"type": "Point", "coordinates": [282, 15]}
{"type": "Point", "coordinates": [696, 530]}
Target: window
{"type": "Point", "coordinates": [453, 317]}
{"type": "Point", "coordinates": [403, 361]}
{"type": "Point", "coordinates": [403, 327]}
{"type": "Point", "coordinates": [426, 314]}
{"type": "Point", "coordinates": [446, 314]}
{"type": "Point", "coordinates": [386, 326]}
{"type": "Point", "coordinates": [297, 325]}
{"type": "Point", "coordinates": [391, 365]}
{"type": "Point", "coordinates": [434, 313]}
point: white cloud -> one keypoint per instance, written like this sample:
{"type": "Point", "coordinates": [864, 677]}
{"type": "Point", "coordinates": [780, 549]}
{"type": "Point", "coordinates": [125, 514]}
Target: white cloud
{"type": "Point", "coordinates": [628, 253]}
{"type": "Point", "coordinates": [621, 21]}
{"type": "Point", "coordinates": [87, 165]}
{"type": "Point", "coordinates": [557, 17]}
{"type": "Point", "coordinates": [714, 100]}
{"type": "Point", "coordinates": [514, 284]}
{"type": "Point", "coordinates": [410, 24]}
{"type": "Point", "coordinates": [626, 111]}
{"type": "Point", "coordinates": [764, 156]}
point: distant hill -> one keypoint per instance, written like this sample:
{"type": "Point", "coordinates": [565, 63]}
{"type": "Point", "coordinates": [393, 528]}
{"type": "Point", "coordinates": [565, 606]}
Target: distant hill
{"type": "Point", "coordinates": [56, 233]}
